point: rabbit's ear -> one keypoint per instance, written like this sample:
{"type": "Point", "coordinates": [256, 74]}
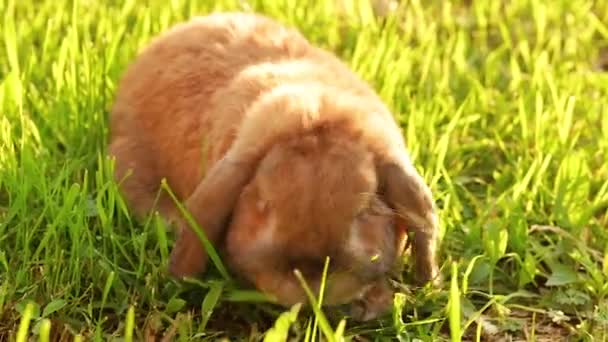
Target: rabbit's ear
{"type": "Point", "coordinates": [404, 190]}
{"type": "Point", "coordinates": [211, 205]}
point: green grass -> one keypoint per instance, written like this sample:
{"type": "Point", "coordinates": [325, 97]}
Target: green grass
{"type": "Point", "coordinates": [504, 107]}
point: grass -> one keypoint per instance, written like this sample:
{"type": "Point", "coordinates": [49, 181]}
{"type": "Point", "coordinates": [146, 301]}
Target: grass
{"type": "Point", "coordinates": [504, 107]}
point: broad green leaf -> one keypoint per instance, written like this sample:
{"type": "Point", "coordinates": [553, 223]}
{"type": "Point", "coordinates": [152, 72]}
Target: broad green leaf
{"type": "Point", "coordinates": [562, 275]}
{"type": "Point", "coordinates": [175, 304]}
{"type": "Point", "coordinates": [52, 307]}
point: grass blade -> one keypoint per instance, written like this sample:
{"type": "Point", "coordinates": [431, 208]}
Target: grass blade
{"type": "Point", "coordinates": [454, 306]}
{"type": "Point", "coordinates": [280, 329]}
{"type": "Point", "coordinates": [319, 315]}
{"type": "Point", "coordinates": [24, 325]}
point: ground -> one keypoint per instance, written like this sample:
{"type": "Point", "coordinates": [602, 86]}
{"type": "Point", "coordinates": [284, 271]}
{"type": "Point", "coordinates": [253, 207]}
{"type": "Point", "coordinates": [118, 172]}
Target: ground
{"type": "Point", "coordinates": [504, 107]}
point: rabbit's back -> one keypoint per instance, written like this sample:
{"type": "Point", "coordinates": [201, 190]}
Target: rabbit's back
{"type": "Point", "coordinates": [171, 97]}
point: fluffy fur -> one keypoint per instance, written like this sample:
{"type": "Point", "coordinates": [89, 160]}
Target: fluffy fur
{"type": "Point", "coordinates": [280, 152]}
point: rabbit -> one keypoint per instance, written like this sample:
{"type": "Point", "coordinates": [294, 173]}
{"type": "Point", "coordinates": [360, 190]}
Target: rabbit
{"type": "Point", "coordinates": [282, 155]}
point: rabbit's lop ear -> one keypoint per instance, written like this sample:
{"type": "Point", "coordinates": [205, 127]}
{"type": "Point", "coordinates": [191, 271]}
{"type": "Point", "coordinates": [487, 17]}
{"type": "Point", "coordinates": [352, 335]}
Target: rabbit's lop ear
{"type": "Point", "coordinates": [404, 190]}
{"type": "Point", "coordinates": [211, 205]}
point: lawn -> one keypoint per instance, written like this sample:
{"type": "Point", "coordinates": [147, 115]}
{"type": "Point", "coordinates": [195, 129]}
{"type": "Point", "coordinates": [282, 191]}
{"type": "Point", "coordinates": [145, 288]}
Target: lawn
{"type": "Point", "coordinates": [504, 107]}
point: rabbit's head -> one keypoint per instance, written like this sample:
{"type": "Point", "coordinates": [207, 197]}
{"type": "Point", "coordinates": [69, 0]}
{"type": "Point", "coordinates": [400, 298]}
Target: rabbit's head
{"type": "Point", "coordinates": [316, 195]}
{"type": "Point", "coordinates": [319, 173]}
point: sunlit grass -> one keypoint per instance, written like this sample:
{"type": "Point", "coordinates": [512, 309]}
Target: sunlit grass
{"type": "Point", "coordinates": [504, 107]}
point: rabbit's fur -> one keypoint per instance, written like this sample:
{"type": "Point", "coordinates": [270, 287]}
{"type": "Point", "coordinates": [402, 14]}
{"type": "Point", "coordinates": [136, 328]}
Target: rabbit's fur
{"type": "Point", "coordinates": [282, 155]}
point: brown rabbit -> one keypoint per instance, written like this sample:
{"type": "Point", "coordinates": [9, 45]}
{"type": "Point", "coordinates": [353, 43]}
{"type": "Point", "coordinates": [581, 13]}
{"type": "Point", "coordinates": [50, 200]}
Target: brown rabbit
{"type": "Point", "coordinates": [282, 155]}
